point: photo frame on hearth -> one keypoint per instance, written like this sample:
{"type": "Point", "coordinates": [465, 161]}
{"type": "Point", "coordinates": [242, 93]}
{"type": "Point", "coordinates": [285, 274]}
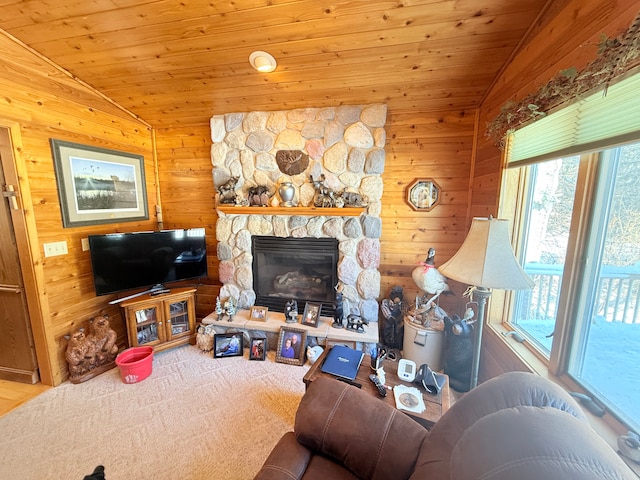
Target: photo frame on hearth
{"type": "Point", "coordinates": [311, 314]}
{"type": "Point", "coordinates": [259, 314]}
{"type": "Point", "coordinates": [291, 346]}
{"type": "Point", "coordinates": [258, 348]}
{"type": "Point", "coordinates": [228, 345]}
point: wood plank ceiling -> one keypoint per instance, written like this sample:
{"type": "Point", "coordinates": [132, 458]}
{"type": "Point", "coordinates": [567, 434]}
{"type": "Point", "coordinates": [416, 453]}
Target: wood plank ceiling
{"type": "Point", "coordinates": [177, 63]}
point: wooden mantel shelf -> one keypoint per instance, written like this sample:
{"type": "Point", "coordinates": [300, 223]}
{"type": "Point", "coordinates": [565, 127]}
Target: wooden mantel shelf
{"type": "Point", "coordinates": [306, 211]}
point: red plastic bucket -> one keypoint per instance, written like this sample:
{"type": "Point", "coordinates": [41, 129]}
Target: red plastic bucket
{"type": "Point", "coordinates": [135, 364]}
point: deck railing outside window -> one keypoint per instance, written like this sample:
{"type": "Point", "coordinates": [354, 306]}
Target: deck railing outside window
{"type": "Point", "coordinates": [618, 289]}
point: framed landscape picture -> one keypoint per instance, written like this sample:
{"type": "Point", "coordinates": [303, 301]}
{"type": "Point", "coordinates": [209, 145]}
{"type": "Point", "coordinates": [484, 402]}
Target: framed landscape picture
{"type": "Point", "coordinates": [97, 186]}
{"type": "Point", "coordinates": [227, 345]}
{"type": "Point", "coordinates": [291, 345]}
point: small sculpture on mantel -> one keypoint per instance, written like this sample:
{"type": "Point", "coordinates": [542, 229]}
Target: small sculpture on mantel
{"type": "Point", "coordinates": [227, 191]}
{"type": "Point", "coordinates": [324, 196]}
{"type": "Point", "coordinates": [291, 311]}
{"type": "Point", "coordinates": [352, 199]}
{"type": "Point", "coordinates": [258, 196]}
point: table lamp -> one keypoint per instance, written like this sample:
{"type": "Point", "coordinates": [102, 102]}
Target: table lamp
{"type": "Point", "coordinates": [484, 261]}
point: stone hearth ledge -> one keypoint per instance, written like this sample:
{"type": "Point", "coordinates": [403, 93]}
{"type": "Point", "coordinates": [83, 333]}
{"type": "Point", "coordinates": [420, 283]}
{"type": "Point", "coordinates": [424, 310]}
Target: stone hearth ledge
{"type": "Point", "coordinates": [321, 335]}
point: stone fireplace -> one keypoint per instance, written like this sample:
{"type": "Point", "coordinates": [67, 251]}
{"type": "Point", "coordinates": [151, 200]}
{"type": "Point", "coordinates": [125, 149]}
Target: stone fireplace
{"type": "Point", "coordinates": [346, 145]}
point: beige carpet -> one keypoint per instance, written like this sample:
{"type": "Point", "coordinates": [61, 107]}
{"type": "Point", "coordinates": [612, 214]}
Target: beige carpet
{"type": "Point", "coordinates": [195, 417]}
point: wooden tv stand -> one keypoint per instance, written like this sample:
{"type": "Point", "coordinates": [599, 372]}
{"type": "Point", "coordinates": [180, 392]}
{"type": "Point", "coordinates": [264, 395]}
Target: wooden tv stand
{"type": "Point", "coordinates": [161, 321]}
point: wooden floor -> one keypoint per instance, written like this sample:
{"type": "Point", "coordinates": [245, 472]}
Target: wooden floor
{"type": "Point", "coordinates": [14, 394]}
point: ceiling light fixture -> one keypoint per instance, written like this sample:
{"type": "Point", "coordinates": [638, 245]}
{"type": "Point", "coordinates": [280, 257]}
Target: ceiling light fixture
{"type": "Point", "coordinates": [262, 61]}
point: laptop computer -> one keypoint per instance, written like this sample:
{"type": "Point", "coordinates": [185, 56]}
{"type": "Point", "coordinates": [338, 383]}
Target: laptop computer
{"type": "Point", "coordinates": [343, 362]}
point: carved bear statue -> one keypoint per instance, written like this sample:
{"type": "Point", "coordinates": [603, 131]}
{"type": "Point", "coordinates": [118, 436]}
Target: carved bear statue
{"type": "Point", "coordinates": [89, 355]}
{"type": "Point", "coordinates": [103, 339]}
{"type": "Point", "coordinates": [458, 352]}
{"type": "Point", "coordinates": [79, 353]}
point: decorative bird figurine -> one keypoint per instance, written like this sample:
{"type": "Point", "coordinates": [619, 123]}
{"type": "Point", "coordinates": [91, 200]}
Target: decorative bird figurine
{"type": "Point", "coordinates": [204, 337]}
{"type": "Point", "coordinates": [429, 279]}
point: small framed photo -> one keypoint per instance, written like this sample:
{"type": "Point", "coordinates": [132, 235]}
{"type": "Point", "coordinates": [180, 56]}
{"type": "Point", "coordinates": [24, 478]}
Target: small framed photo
{"type": "Point", "coordinates": [258, 313]}
{"type": "Point", "coordinates": [227, 345]}
{"type": "Point", "coordinates": [311, 314]}
{"type": "Point", "coordinates": [291, 345]}
{"type": "Point", "coordinates": [258, 349]}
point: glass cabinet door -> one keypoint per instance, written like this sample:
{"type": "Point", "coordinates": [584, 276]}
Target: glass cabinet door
{"type": "Point", "coordinates": [147, 325]}
{"type": "Point", "coordinates": [179, 317]}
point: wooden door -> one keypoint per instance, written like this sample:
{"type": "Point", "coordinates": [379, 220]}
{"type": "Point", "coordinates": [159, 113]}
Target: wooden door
{"type": "Point", "coordinates": [17, 354]}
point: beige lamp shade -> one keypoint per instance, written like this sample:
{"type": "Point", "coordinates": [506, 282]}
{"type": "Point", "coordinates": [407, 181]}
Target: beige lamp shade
{"type": "Point", "coordinates": [486, 258]}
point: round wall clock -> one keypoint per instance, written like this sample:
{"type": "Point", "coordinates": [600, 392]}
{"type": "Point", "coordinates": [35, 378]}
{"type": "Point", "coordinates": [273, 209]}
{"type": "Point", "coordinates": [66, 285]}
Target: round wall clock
{"type": "Point", "coordinates": [423, 194]}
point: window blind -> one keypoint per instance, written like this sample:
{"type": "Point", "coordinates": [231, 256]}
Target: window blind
{"type": "Point", "coordinates": [601, 120]}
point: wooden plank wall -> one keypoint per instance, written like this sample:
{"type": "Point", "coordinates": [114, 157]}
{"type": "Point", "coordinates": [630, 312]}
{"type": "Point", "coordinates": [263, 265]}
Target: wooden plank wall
{"type": "Point", "coordinates": [567, 39]}
{"type": "Point", "coordinates": [188, 196]}
{"type": "Point", "coordinates": [434, 145]}
{"type": "Point", "coordinates": [44, 103]}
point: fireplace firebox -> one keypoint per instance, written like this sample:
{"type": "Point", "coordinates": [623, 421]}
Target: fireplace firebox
{"type": "Point", "coordinates": [304, 269]}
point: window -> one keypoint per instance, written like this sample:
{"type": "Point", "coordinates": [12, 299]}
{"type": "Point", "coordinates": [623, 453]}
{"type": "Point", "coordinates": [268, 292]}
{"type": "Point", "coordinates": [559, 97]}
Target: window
{"type": "Point", "coordinates": [550, 190]}
{"type": "Point", "coordinates": [577, 220]}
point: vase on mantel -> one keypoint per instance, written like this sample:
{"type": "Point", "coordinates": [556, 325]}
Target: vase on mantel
{"type": "Point", "coordinates": [287, 192]}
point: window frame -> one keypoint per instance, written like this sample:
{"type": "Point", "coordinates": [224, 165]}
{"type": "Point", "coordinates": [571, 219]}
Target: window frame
{"type": "Point", "coordinates": [572, 294]}
{"type": "Point", "coordinates": [588, 126]}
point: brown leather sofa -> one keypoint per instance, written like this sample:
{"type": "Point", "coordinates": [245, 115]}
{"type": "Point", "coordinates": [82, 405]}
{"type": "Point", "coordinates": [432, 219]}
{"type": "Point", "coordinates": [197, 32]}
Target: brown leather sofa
{"type": "Point", "coordinates": [518, 426]}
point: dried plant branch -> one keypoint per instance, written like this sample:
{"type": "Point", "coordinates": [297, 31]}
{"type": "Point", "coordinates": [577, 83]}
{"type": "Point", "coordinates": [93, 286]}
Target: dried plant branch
{"type": "Point", "coordinates": [615, 57]}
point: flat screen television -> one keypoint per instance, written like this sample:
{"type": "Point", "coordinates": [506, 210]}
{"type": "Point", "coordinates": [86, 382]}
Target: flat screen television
{"type": "Point", "coordinates": [128, 261]}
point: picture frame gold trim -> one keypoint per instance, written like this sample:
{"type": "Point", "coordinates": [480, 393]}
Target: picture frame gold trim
{"type": "Point", "coordinates": [97, 185]}
{"type": "Point", "coordinates": [423, 194]}
{"type": "Point", "coordinates": [288, 333]}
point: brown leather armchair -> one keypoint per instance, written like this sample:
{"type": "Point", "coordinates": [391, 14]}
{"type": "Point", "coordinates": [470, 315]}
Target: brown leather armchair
{"type": "Point", "coordinates": [516, 426]}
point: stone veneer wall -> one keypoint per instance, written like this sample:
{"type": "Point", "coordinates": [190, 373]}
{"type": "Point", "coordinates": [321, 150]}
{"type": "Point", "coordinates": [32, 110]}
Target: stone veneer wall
{"type": "Point", "coordinates": [344, 143]}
